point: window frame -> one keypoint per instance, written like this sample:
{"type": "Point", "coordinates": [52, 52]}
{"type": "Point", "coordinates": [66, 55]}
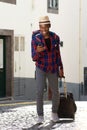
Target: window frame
{"type": "Point", "coordinates": [51, 8]}
{"type": "Point", "coordinates": [19, 43]}
{"type": "Point", "coordinates": [9, 1]}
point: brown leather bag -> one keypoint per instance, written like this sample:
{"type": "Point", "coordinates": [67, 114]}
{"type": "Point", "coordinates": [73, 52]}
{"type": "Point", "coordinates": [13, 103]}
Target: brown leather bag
{"type": "Point", "coordinates": [67, 106]}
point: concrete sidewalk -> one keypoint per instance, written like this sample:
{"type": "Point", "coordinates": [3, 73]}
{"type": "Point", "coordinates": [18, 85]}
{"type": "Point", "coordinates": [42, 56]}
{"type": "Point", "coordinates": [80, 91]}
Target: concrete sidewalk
{"type": "Point", "coordinates": [23, 116]}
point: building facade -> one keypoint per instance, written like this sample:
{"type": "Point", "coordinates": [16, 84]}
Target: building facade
{"type": "Point", "coordinates": [18, 18]}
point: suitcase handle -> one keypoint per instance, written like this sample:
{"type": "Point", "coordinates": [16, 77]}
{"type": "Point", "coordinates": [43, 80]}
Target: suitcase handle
{"type": "Point", "coordinates": [65, 87]}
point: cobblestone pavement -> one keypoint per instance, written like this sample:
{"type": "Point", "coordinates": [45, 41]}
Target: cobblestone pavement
{"type": "Point", "coordinates": [23, 117]}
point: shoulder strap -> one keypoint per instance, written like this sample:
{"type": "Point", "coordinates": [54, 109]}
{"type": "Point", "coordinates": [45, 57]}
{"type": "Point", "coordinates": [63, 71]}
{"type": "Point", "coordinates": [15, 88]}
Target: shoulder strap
{"type": "Point", "coordinates": [36, 34]}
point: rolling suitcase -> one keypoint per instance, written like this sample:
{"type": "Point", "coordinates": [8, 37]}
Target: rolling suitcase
{"type": "Point", "coordinates": [67, 106]}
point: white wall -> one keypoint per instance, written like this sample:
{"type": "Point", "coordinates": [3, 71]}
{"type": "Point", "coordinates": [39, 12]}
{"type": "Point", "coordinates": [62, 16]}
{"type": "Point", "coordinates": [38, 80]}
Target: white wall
{"type": "Point", "coordinates": [23, 19]}
{"type": "Point", "coordinates": [84, 33]}
{"type": "Point", "coordinates": [18, 18]}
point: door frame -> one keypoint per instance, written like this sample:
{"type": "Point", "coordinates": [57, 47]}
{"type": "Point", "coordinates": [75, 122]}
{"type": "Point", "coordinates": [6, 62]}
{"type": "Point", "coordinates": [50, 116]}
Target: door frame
{"type": "Point", "coordinates": [9, 41]}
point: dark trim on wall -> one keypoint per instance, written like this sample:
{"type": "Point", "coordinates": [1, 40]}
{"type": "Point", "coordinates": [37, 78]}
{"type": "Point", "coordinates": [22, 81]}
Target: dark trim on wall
{"type": "Point", "coordinates": [25, 89]}
{"type": "Point", "coordinates": [9, 1]}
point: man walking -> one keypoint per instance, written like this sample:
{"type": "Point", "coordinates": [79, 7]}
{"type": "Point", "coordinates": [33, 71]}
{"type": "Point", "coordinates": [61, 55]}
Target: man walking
{"type": "Point", "coordinates": [46, 54]}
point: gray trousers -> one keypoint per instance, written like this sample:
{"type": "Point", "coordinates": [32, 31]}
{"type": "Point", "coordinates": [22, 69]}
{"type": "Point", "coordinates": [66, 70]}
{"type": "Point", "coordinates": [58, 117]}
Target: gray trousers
{"type": "Point", "coordinates": [41, 77]}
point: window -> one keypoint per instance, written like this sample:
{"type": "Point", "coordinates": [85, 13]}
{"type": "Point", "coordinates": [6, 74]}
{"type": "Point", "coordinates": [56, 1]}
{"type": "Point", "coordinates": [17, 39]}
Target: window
{"type": "Point", "coordinates": [19, 43]}
{"type": "Point", "coordinates": [16, 43]}
{"type": "Point", "coordinates": [52, 6]}
{"type": "Point", "coordinates": [9, 1]}
{"type": "Point", "coordinates": [22, 45]}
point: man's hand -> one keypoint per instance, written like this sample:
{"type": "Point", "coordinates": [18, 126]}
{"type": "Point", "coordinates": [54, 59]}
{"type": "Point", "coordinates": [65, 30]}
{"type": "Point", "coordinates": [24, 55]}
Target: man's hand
{"type": "Point", "coordinates": [40, 48]}
{"type": "Point", "coordinates": [61, 73]}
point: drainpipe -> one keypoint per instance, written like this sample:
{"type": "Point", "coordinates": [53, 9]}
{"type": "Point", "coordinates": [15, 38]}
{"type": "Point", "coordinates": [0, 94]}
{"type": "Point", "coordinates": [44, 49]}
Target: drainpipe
{"type": "Point", "coordinates": [32, 11]}
{"type": "Point", "coordinates": [80, 45]}
{"type": "Point", "coordinates": [33, 4]}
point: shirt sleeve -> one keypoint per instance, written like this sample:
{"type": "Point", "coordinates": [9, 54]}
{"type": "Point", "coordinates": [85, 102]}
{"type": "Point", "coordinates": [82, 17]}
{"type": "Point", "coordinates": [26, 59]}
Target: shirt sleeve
{"type": "Point", "coordinates": [35, 55]}
{"type": "Point", "coordinates": [60, 64]}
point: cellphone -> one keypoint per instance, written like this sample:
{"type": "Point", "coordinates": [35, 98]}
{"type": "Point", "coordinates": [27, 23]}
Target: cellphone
{"type": "Point", "coordinates": [40, 44]}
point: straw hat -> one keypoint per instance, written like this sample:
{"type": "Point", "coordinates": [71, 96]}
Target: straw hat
{"type": "Point", "coordinates": [44, 20]}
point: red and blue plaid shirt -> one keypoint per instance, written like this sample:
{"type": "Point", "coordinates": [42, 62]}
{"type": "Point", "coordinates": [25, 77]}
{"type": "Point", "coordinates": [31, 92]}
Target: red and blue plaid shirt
{"type": "Point", "coordinates": [48, 61]}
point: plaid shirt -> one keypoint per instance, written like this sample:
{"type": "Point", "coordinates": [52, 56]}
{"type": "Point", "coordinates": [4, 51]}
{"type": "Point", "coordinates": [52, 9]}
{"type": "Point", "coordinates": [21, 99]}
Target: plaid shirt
{"type": "Point", "coordinates": [48, 61]}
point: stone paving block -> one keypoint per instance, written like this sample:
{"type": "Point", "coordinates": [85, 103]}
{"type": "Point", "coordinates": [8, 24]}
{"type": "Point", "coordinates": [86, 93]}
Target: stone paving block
{"type": "Point", "coordinates": [24, 117]}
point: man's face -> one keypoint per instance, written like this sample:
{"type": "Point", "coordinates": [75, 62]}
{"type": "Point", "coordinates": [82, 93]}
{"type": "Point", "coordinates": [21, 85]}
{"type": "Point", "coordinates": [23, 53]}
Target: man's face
{"type": "Point", "coordinates": [44, 29]}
